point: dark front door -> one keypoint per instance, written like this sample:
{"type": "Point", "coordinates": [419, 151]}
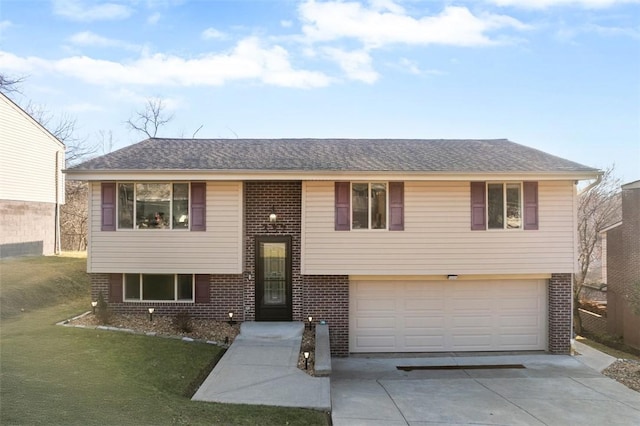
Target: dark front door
{"type": "Point", "coordinates": [273, 278]}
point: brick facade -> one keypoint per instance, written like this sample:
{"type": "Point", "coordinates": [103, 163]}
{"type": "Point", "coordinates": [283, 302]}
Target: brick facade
{"type": "Point", "coordinates": [225, 293]}
{"type": "Point", "coordinates": [27, 228]}
{"type": "Point", "coordinates": [559, 299]}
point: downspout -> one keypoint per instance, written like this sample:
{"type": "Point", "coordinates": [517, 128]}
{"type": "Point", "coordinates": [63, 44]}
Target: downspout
{"type": "Point", "coordinates": [56, 247]}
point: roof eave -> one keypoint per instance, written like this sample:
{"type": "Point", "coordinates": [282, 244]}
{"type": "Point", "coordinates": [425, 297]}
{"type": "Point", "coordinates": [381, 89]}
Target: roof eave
{"type": "Point", "coordinates": [329, 175]}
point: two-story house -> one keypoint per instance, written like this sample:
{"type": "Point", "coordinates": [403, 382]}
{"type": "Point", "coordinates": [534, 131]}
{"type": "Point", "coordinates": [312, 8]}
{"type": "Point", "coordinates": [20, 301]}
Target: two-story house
{"type": "Point", "coordinates": [31, 184]}
{"type": "Point", "coordinates": [400, 245]}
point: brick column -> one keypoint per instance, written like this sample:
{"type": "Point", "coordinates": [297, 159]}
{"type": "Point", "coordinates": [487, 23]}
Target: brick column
{"type": "Point", "coordinates": [560, 296]}
{"type": "Point", "coordinates": [326, 297]}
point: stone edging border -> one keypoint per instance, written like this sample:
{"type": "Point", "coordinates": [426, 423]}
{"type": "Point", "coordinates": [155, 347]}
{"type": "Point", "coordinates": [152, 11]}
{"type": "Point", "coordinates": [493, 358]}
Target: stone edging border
{"type": "Point", "coordinates": [66, 323]}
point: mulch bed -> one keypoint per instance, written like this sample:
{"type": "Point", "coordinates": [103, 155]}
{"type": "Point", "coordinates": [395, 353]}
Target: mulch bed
{"type": "Point", "coordinates": [218, 332]}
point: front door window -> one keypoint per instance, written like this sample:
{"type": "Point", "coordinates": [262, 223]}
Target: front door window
{"type": "Point", "coordinates": [274, 262]}
{"type": "Point", "coordinates": [273, 278]}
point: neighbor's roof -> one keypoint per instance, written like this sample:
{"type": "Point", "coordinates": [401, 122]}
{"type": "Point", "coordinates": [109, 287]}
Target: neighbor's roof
{"type": "Point", "coordinates": [326, 155]}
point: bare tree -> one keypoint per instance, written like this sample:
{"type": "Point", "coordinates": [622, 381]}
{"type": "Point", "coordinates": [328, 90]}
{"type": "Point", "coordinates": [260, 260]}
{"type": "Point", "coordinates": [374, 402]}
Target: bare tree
{"type": "Point", "coordinates": [64, 128]}
{"type": "Point", "coordinates": [74, 217]}
{"type": "Point", "coordinates": [151, 119]}
{"type": "Point", "coordinates": [598, 207]}
{"type": "Point", "coordinates": [10, 84]}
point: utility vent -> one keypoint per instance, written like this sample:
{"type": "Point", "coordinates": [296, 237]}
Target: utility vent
{"type": "Point", "coordinates": [459, 367]}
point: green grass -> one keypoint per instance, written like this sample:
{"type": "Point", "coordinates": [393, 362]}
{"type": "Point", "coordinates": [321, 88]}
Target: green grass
{"type": "Point", "coordinates": [58, 375]}
{"type": "Point", "coordinates": [33, 282]}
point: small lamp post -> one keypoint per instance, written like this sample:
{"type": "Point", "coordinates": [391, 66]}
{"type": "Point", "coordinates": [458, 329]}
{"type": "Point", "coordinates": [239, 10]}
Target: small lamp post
{"type": "Point", "coordinates": [310, 322]}
{"type": "Point", "coordinates": [306, 360]}
{"type": "Point", "coordinates": [151, 311]}
{"type": "Point", "coordinates": [231, 321]}
{"type": "Point", "coordinates": [93, 306]}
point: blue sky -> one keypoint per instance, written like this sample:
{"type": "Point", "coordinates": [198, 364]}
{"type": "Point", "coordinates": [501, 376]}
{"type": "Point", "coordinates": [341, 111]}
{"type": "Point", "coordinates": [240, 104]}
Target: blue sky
{"type": "Point", "coordinates": [562, 76]}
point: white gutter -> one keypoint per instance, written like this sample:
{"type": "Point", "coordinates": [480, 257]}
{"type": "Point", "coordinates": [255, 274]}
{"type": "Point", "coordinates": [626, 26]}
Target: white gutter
{"type": "Point", "coordinates": [591, 185]}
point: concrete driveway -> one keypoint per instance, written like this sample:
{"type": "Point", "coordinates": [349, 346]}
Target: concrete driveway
{"type": "Point", "coordinates": [549, 390]}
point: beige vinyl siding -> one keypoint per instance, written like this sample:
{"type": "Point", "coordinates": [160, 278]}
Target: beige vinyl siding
{"type": "Point", "coordinates": [437, 238]}
{"type": "Point", "coordinates": [218, 250]}
{"type": "Point", "coordinates": [28, 157]}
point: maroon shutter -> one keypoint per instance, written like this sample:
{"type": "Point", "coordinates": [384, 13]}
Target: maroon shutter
{"type": "Point", "coordinates": [478, 208]}
{"type": "Point", "coordinates": [202, 289]}
{"type": "Point", "coordinates": [108, 206]}
{"type": "Point", "coordinates": [343, 206]}
{"type": "Point", "coordinates": [115, 288]}
{"type": "Point", "coordinates": [530, 197]}
{"type": "Point", "coordinates": [396, 206]}
{"type": "Point", "coordinates": [198, 206]}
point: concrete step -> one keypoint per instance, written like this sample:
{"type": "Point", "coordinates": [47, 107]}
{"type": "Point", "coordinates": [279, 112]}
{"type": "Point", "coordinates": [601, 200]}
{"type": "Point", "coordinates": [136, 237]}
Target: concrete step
{"type": "Point", "coordinates": [271, 330]}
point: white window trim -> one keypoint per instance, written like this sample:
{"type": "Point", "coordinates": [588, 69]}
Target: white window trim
{"type": "Point", "coordinates": [175, 289]}
{"type": "Point", "coordinates": [369, 210]}
{"type": "Point", "coordinates": [504, 205]}
{"type": "Point", "coordinates": [135, 206]}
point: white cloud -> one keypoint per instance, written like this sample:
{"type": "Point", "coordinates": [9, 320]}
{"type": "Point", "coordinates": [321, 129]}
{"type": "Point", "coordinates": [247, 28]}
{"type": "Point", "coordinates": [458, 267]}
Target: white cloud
{"type": "Point", "coordinates": [87, 38]}
{"type": "Point", "coordinates": [380, 26]}
{"type": "Point", "coordinates": [286, 23]}
{"type": "Point", "coordinates": [5, 24]}
{"type": "Point", "coordinates": [213, 34]}
{"type": "Point", "coordinates": [542, 4]}
{"type": "Point", "coordinates": [249, 60]}
{"type": "Point", "coordinates": [79, 10]}
{"type": "Point", "coordinates": [356, 64]}
{"type": "Point", "coordinates": [84, 107]}
{"type": "Point", "coordinates": [407, 65]}
{"type": "Point", "coordinates": [614, 31]}
{"type": "Point", "coordinates": [153, 19]}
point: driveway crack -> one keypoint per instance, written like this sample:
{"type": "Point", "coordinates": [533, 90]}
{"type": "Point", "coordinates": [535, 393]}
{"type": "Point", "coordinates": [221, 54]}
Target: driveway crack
{"type": "Point", "coordinates": [393, 400]}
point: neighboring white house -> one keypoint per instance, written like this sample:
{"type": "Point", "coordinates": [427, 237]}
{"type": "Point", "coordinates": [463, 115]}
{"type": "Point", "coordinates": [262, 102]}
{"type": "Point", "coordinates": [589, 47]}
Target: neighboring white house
{"type": "Point", "coordinates": [31, 184]}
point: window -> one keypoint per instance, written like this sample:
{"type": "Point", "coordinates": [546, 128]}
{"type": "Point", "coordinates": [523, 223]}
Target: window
{"type": "Point", "coordinates": [376, 205]}
{"type": "Point", "coordinates": [159, 287]}
{"type": "Point", "coordinates": [153, 206]}
{"type": "Point", "coordinates": [504, 209]}
{"type": "Point", "coordinates": [504, 205]}
{"type": "Point", "coordinates": [369, 206]}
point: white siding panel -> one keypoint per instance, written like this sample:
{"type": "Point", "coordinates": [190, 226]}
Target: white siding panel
{"type": "Point", "coordinates": [437, 238]}
{"type": "Point", "coordinates": [436, 316]}
{"type": "Point", "coordinates": [28, 169]}
{"type": "Point", "coordinates": [218, 250]}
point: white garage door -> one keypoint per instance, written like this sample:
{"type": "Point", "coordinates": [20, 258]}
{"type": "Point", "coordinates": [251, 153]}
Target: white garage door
{"type": "Point", "coordinates": [454, 315]}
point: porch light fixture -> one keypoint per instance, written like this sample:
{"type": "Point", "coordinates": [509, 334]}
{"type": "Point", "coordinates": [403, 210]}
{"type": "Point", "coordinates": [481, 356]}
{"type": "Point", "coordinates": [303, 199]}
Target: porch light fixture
{"type": "Point", "coordinates": [151, 311]}
{"type": "Point", "coordinates": [231, 321]}
{"type": "Point", "coordinates": [273, 221]}
{"type": "Point", "coordinates": [306, 360]}
{"type": "Point", "coordinates": [93, 306]}
{"type": "Point", "coordinates": [452, 277]}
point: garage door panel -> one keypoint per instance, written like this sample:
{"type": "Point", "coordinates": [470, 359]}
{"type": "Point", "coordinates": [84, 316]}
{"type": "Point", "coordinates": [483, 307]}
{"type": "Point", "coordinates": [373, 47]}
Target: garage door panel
{"type": "Point", "coordinates": [376, 306]}
{"type": "Point", "coordinates": [376, 344]}
{"type": "Point", "coordinates": [432, 316]}
{"type": "Point", "coordinates": [424, 322]}
{"type": "Point", "coordinates": [365, 323]}
{"type": "Point", "coordinates": [420, 342]}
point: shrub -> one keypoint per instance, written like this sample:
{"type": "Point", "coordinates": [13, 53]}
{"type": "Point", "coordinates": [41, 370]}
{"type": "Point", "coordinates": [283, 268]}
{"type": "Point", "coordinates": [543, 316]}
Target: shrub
{"type": "Point", "coordinates": [102, 310]}
{"type": "Point", "coordinates": [182, 321]}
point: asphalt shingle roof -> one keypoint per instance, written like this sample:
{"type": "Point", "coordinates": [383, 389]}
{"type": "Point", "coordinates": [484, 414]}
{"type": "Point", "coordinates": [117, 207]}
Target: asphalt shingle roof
{"type": "Point", "coordinates": [399, 155]}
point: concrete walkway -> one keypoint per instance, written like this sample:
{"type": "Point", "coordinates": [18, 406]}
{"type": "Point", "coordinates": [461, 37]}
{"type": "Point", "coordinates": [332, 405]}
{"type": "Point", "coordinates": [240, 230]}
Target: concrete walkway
{"type": "Point", "coordinates": [261, 367]}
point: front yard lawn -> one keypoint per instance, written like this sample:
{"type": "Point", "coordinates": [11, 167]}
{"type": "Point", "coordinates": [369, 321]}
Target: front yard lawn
{"type": "Point", "coordinates": [57, 375]}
